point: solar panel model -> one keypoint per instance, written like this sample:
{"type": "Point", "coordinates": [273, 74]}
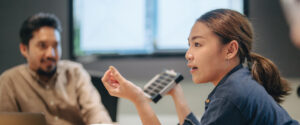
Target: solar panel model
{"type": "Point", "coordinates": [161, 84]}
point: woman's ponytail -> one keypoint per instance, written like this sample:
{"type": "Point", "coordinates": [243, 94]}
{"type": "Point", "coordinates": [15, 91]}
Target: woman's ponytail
{"type": "Point", "coordinates": [265, 72]}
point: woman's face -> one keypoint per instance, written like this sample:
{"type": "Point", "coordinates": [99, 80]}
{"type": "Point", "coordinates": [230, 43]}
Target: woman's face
{"type": "Point", "coordinates": [206, 55]}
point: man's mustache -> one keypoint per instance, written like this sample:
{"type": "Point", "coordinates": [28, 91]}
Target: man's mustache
{"type": "Point", "coordinates": [49, 59]}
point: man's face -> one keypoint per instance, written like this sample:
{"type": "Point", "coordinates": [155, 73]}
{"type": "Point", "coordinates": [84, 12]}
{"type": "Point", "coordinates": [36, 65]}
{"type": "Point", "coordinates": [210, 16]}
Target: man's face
{"type": "Point", "coordinates": [43, 50]}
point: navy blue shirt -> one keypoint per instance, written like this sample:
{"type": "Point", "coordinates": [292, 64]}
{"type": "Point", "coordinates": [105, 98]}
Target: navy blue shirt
{"type": "Point", "coordinates": [239, 100]}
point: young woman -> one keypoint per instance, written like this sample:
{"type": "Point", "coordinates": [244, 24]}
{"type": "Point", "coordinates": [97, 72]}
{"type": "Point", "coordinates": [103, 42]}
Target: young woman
{"type": "Point", "coordinates": [219, 43]}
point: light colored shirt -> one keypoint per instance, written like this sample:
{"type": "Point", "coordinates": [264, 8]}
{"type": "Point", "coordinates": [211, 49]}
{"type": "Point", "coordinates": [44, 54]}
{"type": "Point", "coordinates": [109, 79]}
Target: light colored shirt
{"type": "Point", "coordinates": [68, 98]}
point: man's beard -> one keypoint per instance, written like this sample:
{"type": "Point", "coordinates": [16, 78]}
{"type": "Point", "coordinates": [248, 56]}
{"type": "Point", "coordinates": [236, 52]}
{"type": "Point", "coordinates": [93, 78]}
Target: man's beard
{"type": "Point", "coordinates": [45, 73]}
{"type": "Point", "coordinates": [50, 71]}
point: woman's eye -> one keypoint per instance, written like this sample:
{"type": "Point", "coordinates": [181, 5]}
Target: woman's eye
{"type": "Point", "coordinates": [197, 44]}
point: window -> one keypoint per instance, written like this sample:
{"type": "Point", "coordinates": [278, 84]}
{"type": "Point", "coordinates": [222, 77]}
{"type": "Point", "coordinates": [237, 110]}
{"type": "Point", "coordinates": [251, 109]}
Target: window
{"type": "Point", "coordinates": [138, 27]}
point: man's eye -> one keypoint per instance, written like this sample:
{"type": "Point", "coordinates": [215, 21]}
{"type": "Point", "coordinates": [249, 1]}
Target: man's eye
{"type": "Point", "coordinates": [42, 45]}
{"type": "Point", "coordinates": [56, 45]}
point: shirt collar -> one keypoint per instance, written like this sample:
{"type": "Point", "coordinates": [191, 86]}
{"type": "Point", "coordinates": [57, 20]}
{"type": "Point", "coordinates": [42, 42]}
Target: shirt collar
{"type": "Point", "coordinates": [229, 73]}
{"type": "Point", "coordinates": [36, 77]}
{"type": "Point", "coordinates": [223, 80]}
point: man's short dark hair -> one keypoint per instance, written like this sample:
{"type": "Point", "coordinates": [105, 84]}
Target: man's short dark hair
{"type": "Point", "coordinates": [35, 22]}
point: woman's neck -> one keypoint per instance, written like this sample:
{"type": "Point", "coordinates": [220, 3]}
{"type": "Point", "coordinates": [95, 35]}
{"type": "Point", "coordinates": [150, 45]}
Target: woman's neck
{"type": "Point", "coordinates": [228, 68]}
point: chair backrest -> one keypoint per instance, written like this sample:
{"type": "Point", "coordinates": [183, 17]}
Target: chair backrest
{"type": "Point", "coordinates": [110, 102]}
{"type": "Point", "coordinates": [22, 118]}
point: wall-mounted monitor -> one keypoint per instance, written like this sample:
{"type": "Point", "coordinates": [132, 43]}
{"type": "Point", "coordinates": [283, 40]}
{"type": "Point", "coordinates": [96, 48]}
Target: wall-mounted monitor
{"type": "Point", "coordinates": [137, 27]}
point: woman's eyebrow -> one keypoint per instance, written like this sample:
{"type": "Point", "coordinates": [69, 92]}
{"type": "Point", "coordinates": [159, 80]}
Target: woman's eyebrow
{"type": "Point", "coordinates": [195, 37]}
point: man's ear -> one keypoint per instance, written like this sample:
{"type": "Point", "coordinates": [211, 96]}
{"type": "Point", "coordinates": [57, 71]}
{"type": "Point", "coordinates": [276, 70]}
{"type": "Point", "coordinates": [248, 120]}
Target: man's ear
{"type": "Point", "coordinates": [232, 49]}
{"type": "Point", "coordinates": [24, 50]}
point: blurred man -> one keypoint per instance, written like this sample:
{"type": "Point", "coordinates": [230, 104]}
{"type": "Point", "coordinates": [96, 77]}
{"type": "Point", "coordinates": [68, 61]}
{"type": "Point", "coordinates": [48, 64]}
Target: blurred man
{"type": "Point", "coordinates": [61, 90]}
{"type": "Point", "coordinates": [292, 13]}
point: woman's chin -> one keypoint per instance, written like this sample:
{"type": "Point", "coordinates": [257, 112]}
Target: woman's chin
{"type": "Point", "coordinates": [199, 81]}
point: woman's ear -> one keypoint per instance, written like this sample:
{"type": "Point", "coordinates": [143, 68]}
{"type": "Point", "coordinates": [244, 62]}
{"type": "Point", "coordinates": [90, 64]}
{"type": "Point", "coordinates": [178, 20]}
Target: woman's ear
{"type": "Point", "coordinates": [24, 50]}
{"type": "Point", "coordinates": [232, 49]}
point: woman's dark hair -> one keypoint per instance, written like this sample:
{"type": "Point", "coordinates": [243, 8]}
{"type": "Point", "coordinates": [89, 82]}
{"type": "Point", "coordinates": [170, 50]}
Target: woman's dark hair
{"type": "Point", "coordinates": [35, 22]}
{"type": "Point", "coordinates": [231, 25]}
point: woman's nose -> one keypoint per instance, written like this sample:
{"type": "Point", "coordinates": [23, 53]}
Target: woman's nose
{"type": "Point", "coordinates": [188, 55]}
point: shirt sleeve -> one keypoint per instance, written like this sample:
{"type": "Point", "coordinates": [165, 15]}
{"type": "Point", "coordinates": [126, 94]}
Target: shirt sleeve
{"type": "Point", "coordinates": [191, 120]}
{"type": "Point", "coordinates": [8, 102]}
{"type": "Point", "coordinates": [222, 112]}
{"type": "Point", "coordinates": [93, 110]}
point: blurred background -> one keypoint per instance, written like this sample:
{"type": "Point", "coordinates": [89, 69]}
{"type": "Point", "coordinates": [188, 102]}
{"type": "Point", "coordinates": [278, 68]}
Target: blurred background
{"type": "Point", "coordinates": [271, 40]}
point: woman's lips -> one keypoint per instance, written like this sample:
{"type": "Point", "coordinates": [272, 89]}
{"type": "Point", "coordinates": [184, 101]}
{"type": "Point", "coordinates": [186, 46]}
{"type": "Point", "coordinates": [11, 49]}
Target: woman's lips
{"type": "Point", "coordinates": [193, 69]}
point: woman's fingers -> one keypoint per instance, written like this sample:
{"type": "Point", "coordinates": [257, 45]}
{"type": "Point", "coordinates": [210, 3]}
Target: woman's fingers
{"type": "Point", "coordinates": [175, 90]}
{"type": "Point", "coordinates": [112, 84]}
{"type": "Point", "coordinates": [106, 76]}
{"type": "Point", "coordinates": [106, 79]}
{"type": "Point", "coordinates": [117, 85]}
{"type": "Point", "coordinates": [107, 82]}
{"type": "Point", "coordinates": [116, 74]}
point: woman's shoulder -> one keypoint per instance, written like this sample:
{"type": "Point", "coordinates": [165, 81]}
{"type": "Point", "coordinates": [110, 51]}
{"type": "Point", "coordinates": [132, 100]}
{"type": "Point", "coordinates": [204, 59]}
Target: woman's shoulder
{"type": "Point", "coordinates": [240, 81]}
{"type": "Point", "coordinates": [249, 97]}
{"type": "Point", "coordinates": [240, 86]}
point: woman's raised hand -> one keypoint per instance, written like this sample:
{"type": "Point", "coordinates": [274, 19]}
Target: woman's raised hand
{"type": "Point", "coordinates": [118, 86]}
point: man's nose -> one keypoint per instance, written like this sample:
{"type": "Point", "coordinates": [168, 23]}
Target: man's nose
{"type": "Point", "coordinates": [50, 52]}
